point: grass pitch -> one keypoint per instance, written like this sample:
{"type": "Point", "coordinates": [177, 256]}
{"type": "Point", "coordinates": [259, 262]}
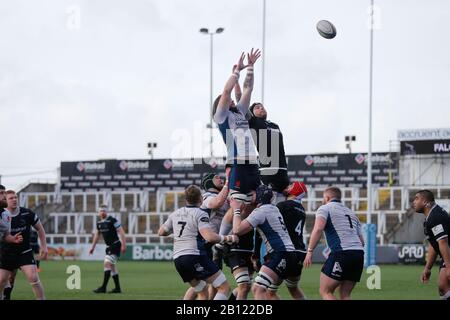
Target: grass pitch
{"type": "Point", "coordinates": [159, 280]}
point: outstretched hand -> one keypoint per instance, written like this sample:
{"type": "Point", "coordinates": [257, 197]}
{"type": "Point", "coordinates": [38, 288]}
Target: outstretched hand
{"type": "Point", "coordinates": [253, 56]}
{"type": "Point", "coordinates": [240, 65]}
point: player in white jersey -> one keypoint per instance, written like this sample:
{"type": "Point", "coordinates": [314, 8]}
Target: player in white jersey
{"type": "Point", "coordinates": [284, 261]}
{"type": "Point", "coordinates": [233, 124]}
{"type": "Point", "coordinates": [190, 227]}
{"type": "Point", "coordinates": [342, 228]}
{"type": "Point", "coordinates": [214, 203]}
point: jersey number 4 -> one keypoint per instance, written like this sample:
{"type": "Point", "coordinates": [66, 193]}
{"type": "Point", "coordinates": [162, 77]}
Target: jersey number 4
{"type": "Point", "coordinates": [183, 224]}
{"type": "Point", "coordinates": [299, 227]}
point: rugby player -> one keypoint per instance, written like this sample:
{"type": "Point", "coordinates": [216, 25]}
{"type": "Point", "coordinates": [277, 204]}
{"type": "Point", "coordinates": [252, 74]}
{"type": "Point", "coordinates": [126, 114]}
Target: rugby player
{"type": "Point", "coordinates": [115, 240]}
{"type": "Point", "coordinates": [344, 265]}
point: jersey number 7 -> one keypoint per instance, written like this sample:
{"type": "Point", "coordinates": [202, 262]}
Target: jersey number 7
{"type": "Point", "coordinates": [183, 224]}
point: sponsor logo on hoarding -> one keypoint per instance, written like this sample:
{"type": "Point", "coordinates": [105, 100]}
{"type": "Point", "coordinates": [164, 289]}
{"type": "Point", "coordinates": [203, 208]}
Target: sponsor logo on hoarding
{"type": "Point", "coordinates": [151, 253]}
{"type": "Point", "coordinates": [91, 166]}
{"type": "Point", "coordinates": [360, 158]}
{"type": "Point", "coordinates": [412, 254]}
{"type": "Point", "coordinates": [168, 164]}
{"type": "Point", "coordinates": [133, 165]}
{"type": "Point", "coordinates": [321, 160]}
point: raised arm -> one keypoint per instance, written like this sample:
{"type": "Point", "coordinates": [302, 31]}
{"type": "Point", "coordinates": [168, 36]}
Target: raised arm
{"type": "Point", "coordinates": [218, 201]}
{"type": "Point", "coordinates": [244, 102]}
{"type": "Point", "coordinates": [237, 88]}
{"type": "Point", "coordinates": [225, 99]}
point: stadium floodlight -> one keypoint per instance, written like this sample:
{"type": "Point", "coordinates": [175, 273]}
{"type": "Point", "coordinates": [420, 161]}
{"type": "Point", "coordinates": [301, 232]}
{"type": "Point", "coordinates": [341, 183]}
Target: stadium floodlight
{"type": "Point", "coordinates": [349, 140]}
{"type": "Point", "coordinates": [210, 126]}
{"type": "Point", "coordinates": [151, 146]}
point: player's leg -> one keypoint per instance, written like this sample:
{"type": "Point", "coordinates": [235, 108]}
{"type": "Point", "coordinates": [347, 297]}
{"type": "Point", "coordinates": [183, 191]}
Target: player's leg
{"type": "Point", "coordinates": [345, 289]}
{"type": "Point", "coordinates": [107, 266]}
{"type": "Point", "coordinates": [190, 294]}
{"type": "Point", "coordinates": [272, 291]}
{"type": "Point", "coordinates": [9, 286]}
{"type": "Point", "coordinates": [115, 274]}
{"type": "Point", "coordinates": [243, 281]}
{"type": "Point", "coordinates": [198, 289]}
{"type": "Point", "coordinates": [265, 278]}
{"type": "Point", "coordinates": [327, 287]}
{"type": "Point", "coordinates": [443, 285]}
{"type": "Point", "coordinates": [295, 273]}
{"type": "Point", "coordinates": [30, 272]}
{"type": "Point", "coordinates": [219, 281]}
{"type": "Point", "coordinates": [227, 223]}
{"type": "Point", "coordinates": [352, 264]}
{"type": "Point", "coordinates": [293, 288]}
{"type": "Point", "coordinates": [4, 276]}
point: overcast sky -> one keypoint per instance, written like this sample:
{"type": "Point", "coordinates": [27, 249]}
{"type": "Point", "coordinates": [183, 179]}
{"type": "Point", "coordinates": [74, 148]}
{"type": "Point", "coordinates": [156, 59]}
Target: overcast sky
{"type": "Point", "coordinates": [84, 80]}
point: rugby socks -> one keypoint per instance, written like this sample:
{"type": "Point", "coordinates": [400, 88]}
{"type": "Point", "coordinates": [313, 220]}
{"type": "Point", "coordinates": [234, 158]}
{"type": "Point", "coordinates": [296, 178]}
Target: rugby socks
{"type": "Point", "coordinates": [115, 277]}
{"type": "Point", "coordinates": [7, 293]}
{"type": "Point", "coordinates": [444, 297]}
{"type": "Point", "coordinates": [220, 296]}
{"type": "Point", "coordinates": [225, 228]}
{"type": "Point", "coordinates": [233, 295]}
{"type": "Point", "coordinates": [106, 277]}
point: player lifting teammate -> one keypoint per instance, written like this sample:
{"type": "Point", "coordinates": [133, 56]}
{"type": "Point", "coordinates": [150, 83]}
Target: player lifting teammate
{"type": "Point", "coordinates": [284, 262]}
{"type": "Point", "coordinates": [190, 227]}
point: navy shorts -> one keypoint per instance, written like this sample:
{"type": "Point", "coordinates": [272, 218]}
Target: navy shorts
{"type": "Point", "coordinates": [279, 181]}
{"type": "Point", "coordinates": [114, 249]}
{"type": "Point", "coordinates": [240, 259]}
{"type": "Point", "coordinates": [198, 267]}
{"type": "Point", "coordinates": [346, 265]}
{"type": "Point", "coordinates": [244, 178]}
{"type": "Point", "coordinates": [285, 264]}
{"type": "Point", "coordinates": [13, 262]}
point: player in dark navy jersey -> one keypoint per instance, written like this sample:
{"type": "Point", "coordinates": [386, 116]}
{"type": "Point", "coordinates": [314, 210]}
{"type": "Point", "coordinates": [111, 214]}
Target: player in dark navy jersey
{"type": "Point", "coordinates": [269, 142]}
{"type": "Point", "coordinates": [111, 230]}
{"type": "Point", "coordinates": [436, 228]}
{"type": "Point", "coordinates": [19, 255]}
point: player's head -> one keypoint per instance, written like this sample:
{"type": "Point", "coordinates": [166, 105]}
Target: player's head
{"type": "Point", "coordinates": [332, 193]}
{"type": "Point", "coordinates": [423, 199]}
{"type": "Point", "coordinates": [3, 203]}
{"type": "Point", "coordinates": [216, 103]}
{"type": "Point", "coordinates": [257, 109]}
{"type": "Point", "coordinates": [296, 190]}
{"type": "Point", "coordinates": [11, 200]}
{"type": "Point", "coordinates": [264, 195]}
{"type": "Point", "coordinates": [193, 195]}
{"type": "Point", "coordinates": [212, 181]}
{"type": "Point", "coordinates": [103, 211]}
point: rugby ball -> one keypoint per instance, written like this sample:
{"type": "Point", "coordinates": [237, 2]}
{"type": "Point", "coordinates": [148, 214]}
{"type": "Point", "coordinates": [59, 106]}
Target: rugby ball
{"type": "Point", "coordinates": [326, 29]}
